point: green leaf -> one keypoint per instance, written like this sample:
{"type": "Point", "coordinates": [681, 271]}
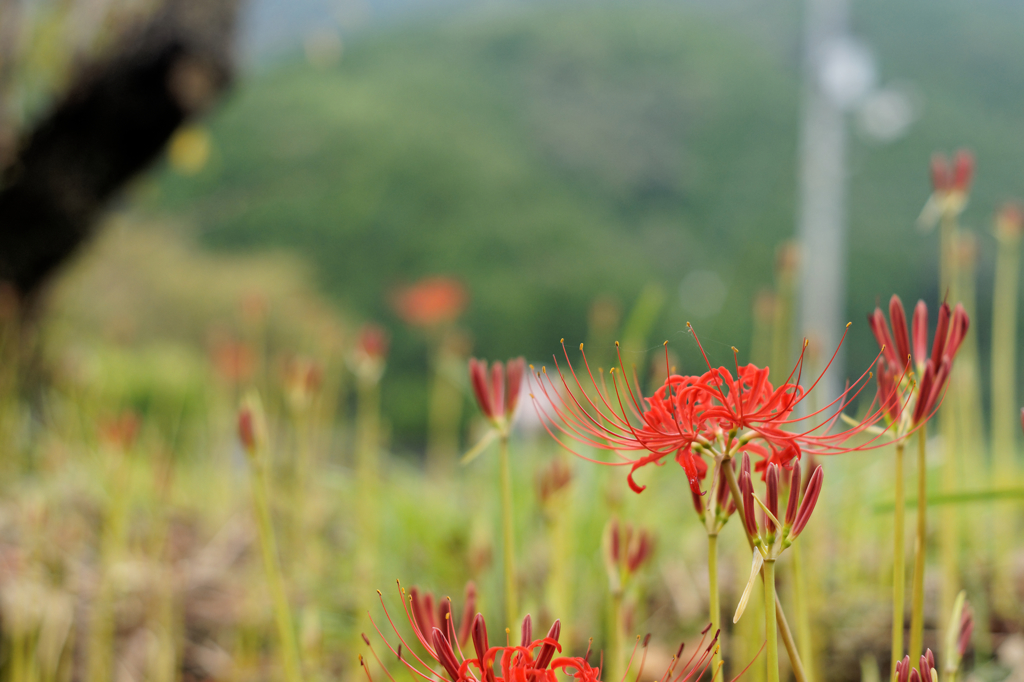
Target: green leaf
{"type": "Point", "coordinates": [480, 446]}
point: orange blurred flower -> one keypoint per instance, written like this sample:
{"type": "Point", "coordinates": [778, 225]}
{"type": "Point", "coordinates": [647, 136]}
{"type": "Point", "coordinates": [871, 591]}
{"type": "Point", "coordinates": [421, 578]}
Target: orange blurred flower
{"type": "Point", "coordinates": [234, 361]}
{"type": "Point", "coordinates": [431, 301]}
{"type": "Point", "coordinates": [119, 432]}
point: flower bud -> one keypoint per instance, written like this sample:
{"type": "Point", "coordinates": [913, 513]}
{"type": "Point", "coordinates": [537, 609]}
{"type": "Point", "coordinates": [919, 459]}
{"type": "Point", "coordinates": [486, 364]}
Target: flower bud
{"type": "Point", "coordinates": [941, 333]}
{"type": "Point", "coordinates": [547, 650]}
{"type": "Point", "coordinates": [747, 493]}
{"type": "Point", "coordinates": [613, 545]}
{"type": "Point", "coordinates": [527, 633]}
{"type": "Point", "coordinates": [515, 370]}
{"type": "Point", "coordinates": [698, 502]}
{"type": "Point", "coordinates": [373, 341]}
{"type": "Point", "coordinates": [888, 394]}
{"type": "Point", "coordinates": [924, 389]}
{"type": "Point", "coordinates": [445, 655]}
{"type": "Point", "coordinates": [966, 629]}
{"type": "Point", "coordinates": [480, 645]}
{"type": "Point", "coordinates": [957, 332]}
{"type": "Point", "coordinates": [880, 328]}
{"type": "Point", "coordinates": [938, 385]}
{"type": "Point", "coordinates": [772, 494]}
{"type": "Point", "coordinates": [794, 494]}
{"type": "Point", "coordinates": [920, 332]}
{"type": "Point", "coordinates": [252, 424]}
{"type": "Point", "coordinates": [498, 388]}
{"type": "Point", "coordinates": [422, 611]}
{"type": "Point", "coordinates": [963, 171]}
{"type": "Point", "coordinates": [466, 622]}
{"type": "Point", "coordinates": [810, 499]}
{"type": "Point", "coordinates": [724, 500]}
{"type": "Point", "coordinates": [640, 550]}
{"type": "Point", "coordinates": [941, 180]}
{"type": "Point", "coordinates": [478, 378]}
{"type": "Point", "coordinates": [898, 317]}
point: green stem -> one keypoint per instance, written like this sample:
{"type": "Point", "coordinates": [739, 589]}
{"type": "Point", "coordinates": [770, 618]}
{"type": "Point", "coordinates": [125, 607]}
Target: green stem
{"type": "Point", "coordinates": [1004, 405]}
{"type": "Point", "coordinates": [713, 601]}
{"type": "Point", "coordinates": [771, 628]}
{"type": "Point", "coordinates": [616, 636]}
{"type": "Point", "coordinates": [507, 530]}
{"type": "Point", "coordinates": [1004, 347]}
{"type": "Point", "coordinates": [899, 577]}
{"type": "Point", "coordinates": [271, 563]}
{"type": "Point", "coordinates": [917, 606]}
{"type": "Point", "coordinates": [803, 617]}
{"type": "Point", "coordinates": [780, 615]}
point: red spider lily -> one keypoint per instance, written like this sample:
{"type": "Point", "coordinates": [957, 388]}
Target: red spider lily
{"type": "Point", "coordinates": [628, 549]}
{"type": "Point", "coordinates": [497, 391]}
{"type": "Point", "coordinates": [422, 606]}
{"type": "Point", "coordinates": [533, 660]}
{"type": "Point", "coordinates": [717, 413]}
{"type": "Point", "coordinates": [432, 301]}
{"type": "Point", "coordinates": [373, 342]}
{"type": "Point", "coordinates": [301, 379]}
{"type": "Point", "coordinates": [798, 511]}
{"type": "Point", "coordinates": [955, 177]}
{"type": "Point", "coordinates": [932, 370]}
{"type": "Point", "coordinates": [552, 479]}
{"type": "Point", "coordinates": [951, 185]}
{"type": "Point", "coordinates": [119, 433]}
{"type": "Point", "coordinates": [234, 361]}
{"type": "Point", "coordinates": [252, 425]}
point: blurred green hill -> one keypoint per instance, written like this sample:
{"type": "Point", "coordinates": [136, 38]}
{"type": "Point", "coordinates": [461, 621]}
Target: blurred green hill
{"type": "Point", "coordinates": [549, 154]}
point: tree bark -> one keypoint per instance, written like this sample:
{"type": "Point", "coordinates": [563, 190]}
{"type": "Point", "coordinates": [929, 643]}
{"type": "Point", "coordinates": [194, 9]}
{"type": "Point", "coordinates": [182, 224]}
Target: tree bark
{"type": "Point", "coordinates": [113, 123]}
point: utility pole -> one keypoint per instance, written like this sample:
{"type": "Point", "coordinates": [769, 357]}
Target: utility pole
{"type": "Point", "coordinates": [838, 72]}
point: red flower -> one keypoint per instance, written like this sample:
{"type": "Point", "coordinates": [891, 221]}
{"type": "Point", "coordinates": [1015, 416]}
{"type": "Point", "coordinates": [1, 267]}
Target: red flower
{"type": "Point", "coordinates": [955, 177]}
{"type": "Point", "coordinates": [628, 549]}
{"type": "Point", "coordinates": [533, 660]}
{"type": "Point", "coordinates": [497, 391]}
{"type": "Point", "coordinates": [931, 371]}
{"type": "Point", "coordinates": [372, 342]}
{"type": "Point", "coordinates": [717, 413]}
{"type": "Point", "coordinates": [431, 301]}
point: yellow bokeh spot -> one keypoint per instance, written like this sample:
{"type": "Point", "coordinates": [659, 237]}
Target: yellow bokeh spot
{"type": "Point", "coordinates": [189, 150]}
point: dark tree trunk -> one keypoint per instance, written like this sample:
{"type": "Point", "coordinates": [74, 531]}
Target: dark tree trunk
{"type": "Point", "coordinates": [113, 123]}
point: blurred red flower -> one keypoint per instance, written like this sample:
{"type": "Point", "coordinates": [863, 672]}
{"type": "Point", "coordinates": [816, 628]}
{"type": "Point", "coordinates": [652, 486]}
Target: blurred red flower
{"type": "Point", "coordinates": [431, 301]}
{"type": "Point", "coordinates": [234, 361]}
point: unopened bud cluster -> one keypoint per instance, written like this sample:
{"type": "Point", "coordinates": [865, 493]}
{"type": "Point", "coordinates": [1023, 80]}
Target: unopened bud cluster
{"type": "Point", "coordinates": [626, 550]}
{"type": "Point", "coordinates": [497, 389]}
{"type": "Point", "coordinates": [905, 369]}
{"type": "Point", "coordinates": [925, 672]}
{"type": "Point", "coordinates": [724, 505]}
{"type": "Point", "coordinates": [772, 535]}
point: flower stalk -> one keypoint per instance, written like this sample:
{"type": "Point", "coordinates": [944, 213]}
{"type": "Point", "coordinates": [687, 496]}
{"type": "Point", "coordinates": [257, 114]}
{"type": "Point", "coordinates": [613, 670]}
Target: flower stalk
{"type": "Point", "coordinates": [714, 606]}
{"type": "Point", "coordinates": [497, 394]}
{"type": "Point", "coordinates": [252, 432]}
{"type": "Point", "coordinates": [1009, 225]}
{"type": "Point", "coordinates": [899, 577]}
{"type": "Point", "coordinates": [917, 595]}
{"type": "Point", "coordinates": [508, 530]}
{"type": "Point", "coordinates": [771, 622]}
{"type": "Point", "coordinates": [626, 549]}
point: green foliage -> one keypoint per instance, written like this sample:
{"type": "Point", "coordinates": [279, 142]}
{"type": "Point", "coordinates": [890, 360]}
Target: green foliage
{"type": "Point", "coordinates": [551, 154]}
